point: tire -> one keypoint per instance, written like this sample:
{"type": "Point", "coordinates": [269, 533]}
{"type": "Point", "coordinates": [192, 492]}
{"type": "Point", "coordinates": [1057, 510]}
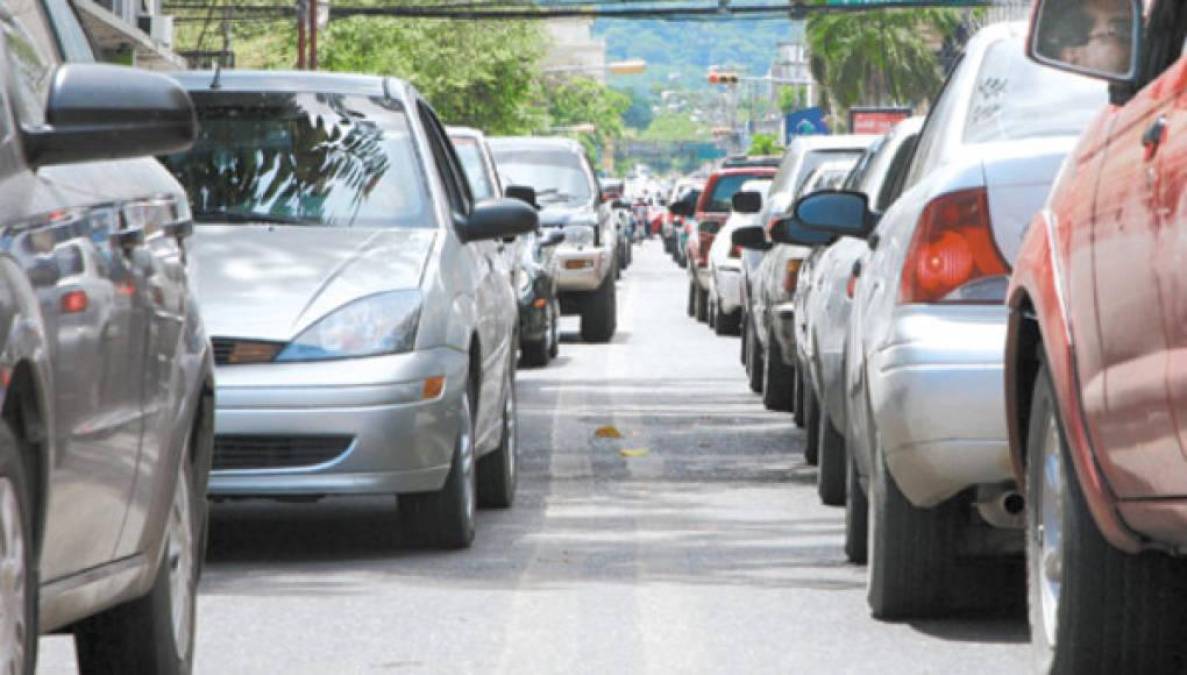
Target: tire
{"type": "Point", "coordinates": [856, 515]}
{"type": "Point", "coordinates": [754, 364]}
{"type": "Point", "coordinates": [554, 345]}
{"type": "Point", "coordinates": [712, 312]}
{"type": "Point", "coordinates": [498, 472]}
{"type": "Point", "coordinates": [702, 304]}
{"type": "Point", "coordinates": [831, 478]}
{"type": "Point", "coordinates": [599, 316]}
{"type": "Point", "coordinates": [778, 384]}
{"type": "Point", "coordinates": [445, 518]}
{"type": "Point", "coordinates": [799, 412]}
{"type": "Point", "coordinates": [727, 324]}
{"type": "Point", "coordinates": [18, 602]}
{"type": "Point", "coordinates": [811, 423]}
{"type": "Point", "coordinates": [535, 353]}
{"type": "Point", "coordinates": [144, 635]}
{"type": "Point", "coordinates": [1113, 612]}
{"type": "Point", "coordinates": [911, 551]}
{"type": "Point", "coordinates": [743, 322]}
{"type": "Point", "coordinates": [692, 299]}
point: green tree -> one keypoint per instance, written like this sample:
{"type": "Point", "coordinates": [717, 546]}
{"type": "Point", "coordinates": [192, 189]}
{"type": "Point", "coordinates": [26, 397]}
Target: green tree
{"type": "Point", "coordinates": [582, 100]}
{"type": "Point", "coordinates": [792, 98]}
{"type": "Point", "coordinates": [675, 128]}
{"type": "Point", "coordinates": [886, 57]}
{"type": "Point", "coordinates": [638, 115]}
{"type": "Point", "coordinates": [764, 144]}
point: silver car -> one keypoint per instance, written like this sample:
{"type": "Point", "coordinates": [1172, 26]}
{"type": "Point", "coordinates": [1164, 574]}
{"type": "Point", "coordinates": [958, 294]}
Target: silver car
{"type": "Point", "coordinates": [363, 318]}
{"type": "Point", "coordinates": [926, 337]}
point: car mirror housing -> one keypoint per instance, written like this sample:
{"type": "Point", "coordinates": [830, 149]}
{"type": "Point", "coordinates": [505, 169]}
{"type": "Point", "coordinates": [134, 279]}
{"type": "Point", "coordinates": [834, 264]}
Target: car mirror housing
{"type": "Point", "coordinates": [523, 193]}
{"type": "Point", "coordinates": [750, 237]}
{"type": "Point", "coordinates": [747, 202]}
{"type": "Point", "coordinates": [498, 218]}
{"type": "Point", "coordinates": [821, 217]}
{"type": "Point", "coordinates": [683, 207]}
{"type": "Point", "coordinates": [620, 204]}
{"type": "Point", "coordinates": [99, 111]}
{"type": "Point", "coordinates": [552, 238]}
{"type": "Point", "coordinates": [1100, 39]}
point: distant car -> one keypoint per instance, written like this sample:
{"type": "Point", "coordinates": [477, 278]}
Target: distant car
{"type": "Point", "coordinates": [539, 308]}
{"type": "Point", "coordinates": [106, 400]}
{"type": "Point", "coordinates": [925, 338]}
{"type": "Point", "coordinates": [725, 266]}
{"type": "Point", "coordinates": [364, 319]}
{"type": "Point", "coordinates": [587, 261]}
{"type": "Point", "coordinates": [822, 302]}
{"type": "Point", "coordinates": [770, 339]}
{"type": "Point", "coordinates": [1095, 379]}
{"type": "Point", "coordinates": [673, 225]}
{"type": "Point", "coordinates": [738, 161]}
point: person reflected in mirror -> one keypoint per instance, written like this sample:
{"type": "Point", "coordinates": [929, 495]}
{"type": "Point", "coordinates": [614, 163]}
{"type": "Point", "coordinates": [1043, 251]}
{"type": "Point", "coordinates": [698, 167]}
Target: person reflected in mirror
{"type": "Point", "coordinates": [1096, 35]}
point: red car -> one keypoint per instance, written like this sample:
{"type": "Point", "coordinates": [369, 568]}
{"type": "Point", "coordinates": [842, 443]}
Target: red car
{"type": "Point", "coordinates": [712, 210]}
{"type": "Point", "coordinates": [1096, 354]}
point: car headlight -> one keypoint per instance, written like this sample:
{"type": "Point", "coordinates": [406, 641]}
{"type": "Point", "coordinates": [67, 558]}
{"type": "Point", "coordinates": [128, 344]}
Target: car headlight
{"type": "Point", "coordinates": [579, 235]}
{"type": "Point", "coordinates": [384, 323]}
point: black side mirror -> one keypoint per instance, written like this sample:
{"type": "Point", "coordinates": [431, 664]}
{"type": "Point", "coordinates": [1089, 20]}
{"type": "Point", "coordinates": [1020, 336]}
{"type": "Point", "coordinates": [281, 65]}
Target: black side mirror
{"type": "Point", "coordinates": [620, 204]}
{"type": "Point", "coordinates": [750, 237]}
{"type": "Point", "coordinates": [683, 207]}
{"type": "Point", "coordinates": [523, 193]}
{"type": "Point", "coordinates": [836, 213]}
{"type": "Point", "coordinates": [552, 238]}
{"type": "Point", "coordinates": [498, 218]}
{"type": "Point", "coordinates": [98, 111]}
{"type": "Point", "coordinates": [747, 202]}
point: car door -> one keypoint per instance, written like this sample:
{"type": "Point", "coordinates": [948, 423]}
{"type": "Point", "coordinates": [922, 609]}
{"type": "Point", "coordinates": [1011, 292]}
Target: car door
{"type": "Point", "coordinates": [67, 233]}
{"type": "Point", "coordinates": [1124, 384]}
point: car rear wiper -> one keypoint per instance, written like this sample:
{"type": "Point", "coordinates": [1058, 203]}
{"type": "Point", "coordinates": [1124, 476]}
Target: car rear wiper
{"type": "Point", "coordinates": [246, 217]}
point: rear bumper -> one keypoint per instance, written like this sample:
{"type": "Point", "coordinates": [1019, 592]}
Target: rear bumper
{"type": "Point", "coordinates": [581, 269]}
{"type": "Point", "coordinates": [938, 394]}
{"type": "Point", "coordinates": [728, 282]}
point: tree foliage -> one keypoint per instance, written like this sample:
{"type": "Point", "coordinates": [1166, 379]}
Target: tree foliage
{"type": "Point", "coordinates": [675, 128]}
{"type": "Point", "coordinates": [764, 144]}
{"type": "Point", "coordinates": [582, 100]}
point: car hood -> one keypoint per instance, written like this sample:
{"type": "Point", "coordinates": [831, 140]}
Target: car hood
{"type": "Point", "coordinates": [271, 282]}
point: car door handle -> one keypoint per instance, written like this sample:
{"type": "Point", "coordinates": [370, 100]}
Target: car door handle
{"type": "Point", "coordinates": [1154, 137]}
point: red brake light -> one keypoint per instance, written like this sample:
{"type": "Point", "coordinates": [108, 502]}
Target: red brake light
{"type": "Point", "coordinates": [851, 286]}
{"type": "Point", "coordinates": [735, 251]}
{"type": "Point", "coordinates": [953, 245]}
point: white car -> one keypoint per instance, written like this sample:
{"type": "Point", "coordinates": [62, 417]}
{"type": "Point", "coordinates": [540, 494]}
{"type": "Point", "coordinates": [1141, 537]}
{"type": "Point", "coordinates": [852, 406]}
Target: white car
{"type": "Point", "coordinates": [725, 267]}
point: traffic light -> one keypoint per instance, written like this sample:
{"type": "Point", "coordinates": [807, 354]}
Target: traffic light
{"type": "Point", "coordinates": [722, 77]}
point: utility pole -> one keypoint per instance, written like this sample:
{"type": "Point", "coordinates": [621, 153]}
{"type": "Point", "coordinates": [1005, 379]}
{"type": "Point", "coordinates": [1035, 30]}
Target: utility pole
{"type": "Point", "coordinates": [302, 11]}
{"type": "Point", "coordinates": [312, 34]}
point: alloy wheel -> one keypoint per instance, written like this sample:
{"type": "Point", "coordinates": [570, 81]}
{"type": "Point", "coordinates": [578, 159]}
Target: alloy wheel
{"type": "Point", "coordinates": [179, 554]}
{"type": "Point", "coordinates": [1049, 532]}
{"type": "Point", "coordinates": [13, 582]}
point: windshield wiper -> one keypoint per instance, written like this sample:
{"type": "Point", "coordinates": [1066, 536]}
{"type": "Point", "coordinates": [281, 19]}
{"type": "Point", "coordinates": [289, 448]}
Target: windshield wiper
{"type": "Point", "coordinates": [246, 217]}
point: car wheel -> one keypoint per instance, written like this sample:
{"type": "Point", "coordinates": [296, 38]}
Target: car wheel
{"type": "Point", "coordinates": [155, 633]}
{"type": "Point", "coordinates": [18, 571]}
{"type": "Point", "coordinates": [856, 514]}
{"type": "Point", "coordinates": [445, 518]}
{"type": "Point", "coordinates": [534, 353]}
{"type": "Point", "coordinates": [498, 472]}
{"type": "Point", "coordinates": [702, 303]}
{"type": "Point", "coordinates": [554, 342]}
{"type": "Point", "coordinates": [754, 364]}
{"type": "Point", "coordinates": [811, 423]}
{"type": "Point", "coordinates": [599, 315]}
{"type": "Point", "coordinates": [743, 323]}
{"type": "Point", "coordinates": [727, 324]}
{"type": "Point", "coordinates": [712, 312]}
{"type": "Point", "coordinates": [830, 478]}
{"type": "Point", "coordinates": [692, 299]}
{"type": "Point", "coordinates": [911, 550]}
{"type": "Point", "coordinates": [799, 402]}
{"type": "Point", "coordinates": [1093, 607]}
{"type": "Point", "coordinates": [777, 383]}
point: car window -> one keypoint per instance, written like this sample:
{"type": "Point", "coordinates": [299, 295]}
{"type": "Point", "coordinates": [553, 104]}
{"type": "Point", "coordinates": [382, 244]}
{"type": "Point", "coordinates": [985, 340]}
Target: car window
{"type": "Point", "coordinates": [929, 147]}
{"type": "Point", "coordinates": [721, 199]}
{"type": "Point", "coordinates": [861, 170]}
{"type": "Point", "coordinates": [1015, 98]}
{"type": "Point", "coordinates": [817, 158]}
{"type": "Point", "coordinates": [33, 57]}
{"type": "Point", "coordinates": [305, 158]}
{"type": "Point", "coordinates": [76, 46]}
{"type": "Point", "coordinates": [558, 175]}
{"type": "Point", "coordinates": [474, 164]}
{"type": "Point", "coordinates": [1166, 30]}
{"type": "Point", "coordinates": [449, 160]}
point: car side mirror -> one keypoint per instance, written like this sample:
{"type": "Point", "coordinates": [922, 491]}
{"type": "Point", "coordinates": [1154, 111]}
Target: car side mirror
{"type": "Point", "coordinates": [523, 193]}
{"type": "Point", "coordinates": [751, 237]}
{"type": "Point", "coordinates": [747, 202]}
{"type": "Point", "coordinates": [553, 238]}
{"type": "Point", "coordinates": [620, 204]}
{"type": "Point", "coordinates": [683, 207]}
{"type": "Point", "coordinates": [822, 217]}
{"type": "Point", "coordinates": [99, 111]}
{"type": "Point", "coordinates": [1101, 39]}
{"type": "Point", "coordinates": [498, 218]}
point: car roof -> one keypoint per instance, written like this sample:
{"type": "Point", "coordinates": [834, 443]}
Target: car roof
{"type": "Point", "coordinates": [294, 80]}
{"type": "Point", "coordinates": [536, 143]}
{"type": "Point", "coordinates": [833, 141]}
{"type": "Point", "coordinates": [465, 132]}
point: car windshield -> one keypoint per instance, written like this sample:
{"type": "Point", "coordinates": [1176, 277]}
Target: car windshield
{"type": "Point", "coordinates": [303, 158]}
{"type": "Point", "coordinates": [1014, 98]}
{"type": "Point", "coordinates": [470, 153]}
{"type": "Point", "coordinates": [816, 158]}
{"type": "Point", "coordinates": [557, 175]}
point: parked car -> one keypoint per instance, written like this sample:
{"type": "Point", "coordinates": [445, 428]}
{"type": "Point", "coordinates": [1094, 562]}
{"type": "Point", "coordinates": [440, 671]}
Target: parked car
{"type": "Point", "coordinates": [106, 404]}
{"type": "Point", "coordinates": [770, 339]}
{"type": "Point", "coordinates": [364, 319]}
{"type": "Point", "coordinates": [822, 302]}
{"type": "Point", "coordinates": [702, 223]}
{"type": "Point", "coordinates": [672, 227]}
{"type": "Point", "coordinates": [587, 261]}
{"type": "Point", "coordinates": [924, 347]}
{"type": "Point", "coordinates": [1094, 370]}
{"type": "Point", "coordinates": [539, 308]}
{"type": "Point", "coordinates": [725, 263]}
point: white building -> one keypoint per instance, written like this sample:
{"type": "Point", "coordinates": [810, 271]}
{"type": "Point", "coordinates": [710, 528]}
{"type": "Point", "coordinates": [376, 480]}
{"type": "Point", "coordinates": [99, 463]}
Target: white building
{"type": "Point", "coordinates": [573, 48]}
{"type": "Point", "coordinates": [134, 32]}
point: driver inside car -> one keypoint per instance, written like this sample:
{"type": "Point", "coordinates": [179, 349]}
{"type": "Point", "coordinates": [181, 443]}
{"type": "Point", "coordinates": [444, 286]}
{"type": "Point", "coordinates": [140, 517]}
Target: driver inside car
{"type": "Point", "coordinates": [1093, 34]}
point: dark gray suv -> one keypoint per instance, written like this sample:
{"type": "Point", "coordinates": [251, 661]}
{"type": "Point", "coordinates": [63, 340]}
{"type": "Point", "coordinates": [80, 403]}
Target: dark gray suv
{"type": "Point", "coordinates": [105, 368]}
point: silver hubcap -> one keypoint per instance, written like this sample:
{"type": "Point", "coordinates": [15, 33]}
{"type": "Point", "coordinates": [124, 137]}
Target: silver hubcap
{"type": "Point", "coordinates": [509, 422]}
{"type": "Point", "coordinates": [1050, 532]}
{"type": "Point", "coordinates": [467, 456]}
{"type": "Point", "coordinates": [179, 555]}
{"type": "Point", "coordinates": [13, 582]}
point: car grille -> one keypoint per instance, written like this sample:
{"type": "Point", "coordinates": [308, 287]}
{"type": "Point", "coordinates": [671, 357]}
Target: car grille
{"type": "Point", "coordinates": [234, 351]}
{"type": "Point", "coordinates": [276, 452]}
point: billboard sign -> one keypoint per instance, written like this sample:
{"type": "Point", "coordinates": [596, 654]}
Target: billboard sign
{"type": "Point", "coordinates": [875, 120]}
{"type": "Point", "coordinates": [805, 122]}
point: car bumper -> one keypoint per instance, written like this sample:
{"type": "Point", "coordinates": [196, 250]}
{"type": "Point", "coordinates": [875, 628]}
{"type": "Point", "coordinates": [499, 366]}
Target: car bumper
{"type": "Point", "coordinates": [581, 269]}
{"type": "Point", "coordinates": [938, 397]}
{"type": "Point", "coordinates": [783, 326]}
{"type": "Point", "coordinates": [399, 441]}
{"type": "Point", "coordinates": [728, 282]}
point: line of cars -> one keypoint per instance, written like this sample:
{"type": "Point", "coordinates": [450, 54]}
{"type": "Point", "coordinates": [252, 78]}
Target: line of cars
{"type": "Point", "coordinates": [979, 329]}
{"type": "Point", "coordinates": [315, 288]}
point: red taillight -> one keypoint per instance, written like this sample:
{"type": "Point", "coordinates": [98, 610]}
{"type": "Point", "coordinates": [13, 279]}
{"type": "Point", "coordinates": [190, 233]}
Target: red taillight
{"type": "Point", "coordinates": [953, 245]}
{"type": "Point", "coordinates": [735, 251]}
{"type": "Point", "coordinates": [74, 302]}
{"type": "Point", "coordinates": [791, 275]}
{"type": "Point", "coordinates": [851, 286]}
{"type": "Point", "coordinates": [771, 225]}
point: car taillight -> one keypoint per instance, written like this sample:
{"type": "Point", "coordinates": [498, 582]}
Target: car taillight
{"type": "Point", "coordinates": [735, 251]}
{"type": "Point", "coordinates": [851, 286]}
{"type": "Point", "coordinates": [791, 275]}
{"type": "Point", "coordinates": [952, 246]}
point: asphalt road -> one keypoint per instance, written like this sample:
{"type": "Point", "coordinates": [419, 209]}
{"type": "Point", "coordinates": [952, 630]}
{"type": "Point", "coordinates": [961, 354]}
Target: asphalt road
{"type": "Point", "coordinates": [693, 544]}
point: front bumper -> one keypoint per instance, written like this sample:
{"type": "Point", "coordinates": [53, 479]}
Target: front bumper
{"type": "Point", "coordinates": [783, 326]}
{"type": "Point", "coordinates": [728, 282]}
{"type": "Point", "coordinates": [401, 443]}
{"type": "Point", "coordinates": [581, 269]}
{"type": "Point", "coordinates": [939, 403]}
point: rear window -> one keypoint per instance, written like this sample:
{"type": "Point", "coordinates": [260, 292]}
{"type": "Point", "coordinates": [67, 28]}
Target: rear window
{"type": "Point", "coordinates": [1014, 98]}
{"type": "Point", "coordinates": [557, 175]}
{"type": "Point", "coordinates": [814, 159]}
{"type": "Point", "coordinates": [721, 200]}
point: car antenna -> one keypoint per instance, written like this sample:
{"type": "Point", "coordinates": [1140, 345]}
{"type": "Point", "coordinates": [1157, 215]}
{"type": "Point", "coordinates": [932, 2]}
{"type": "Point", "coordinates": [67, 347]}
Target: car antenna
{"type": "Point", "coordinates": [218, 74]}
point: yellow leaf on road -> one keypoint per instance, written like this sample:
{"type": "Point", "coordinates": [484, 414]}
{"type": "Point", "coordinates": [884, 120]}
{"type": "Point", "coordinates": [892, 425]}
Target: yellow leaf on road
{"type": "Point", "coordinates": [608, 431]}
{"type": "Point", "coordinates": [634, 452]}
